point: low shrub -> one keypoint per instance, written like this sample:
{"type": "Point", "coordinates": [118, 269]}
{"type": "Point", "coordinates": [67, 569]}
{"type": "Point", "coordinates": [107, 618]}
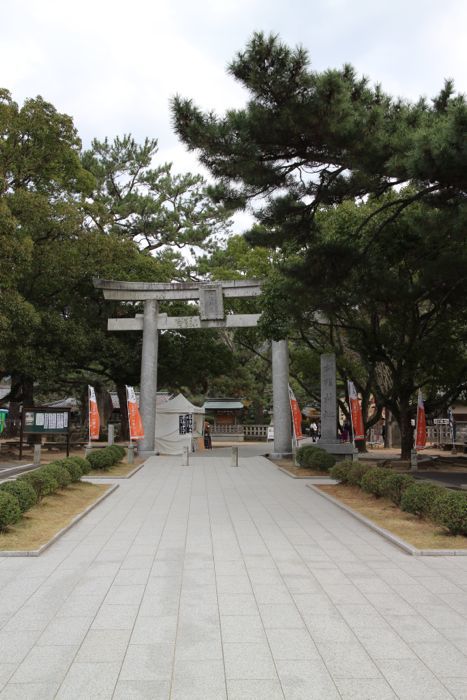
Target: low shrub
{"type": "Point", "coordinates": [100, 459]}
{"type": "Point", "coordinates": [322, 460]}
{"type": "Point", "coordinates": [10, 511]}
{"type": "Point", "coordinates": [82, 463]}
{"type": "Point", "coordinates": [340, 470]}
{"type": "Point", "coordinates": [304, 455]}
{"type": "Point", "coordinates": [449, 508]}
{"type": "Point", "coordinates": [59, 472]}
{"type": "Point", "coordinates": [395, 484]}
{"type": "Point", "coordinates": [120, 451]}
{"type": "Point", "coordinates": [73, 469]}
{"type": "Point", "coordinates": [43, 482]}
{"type": "Point", "coordinates": [356, 473]}
{"type": "Point", "coordinates": [419, 498]}
{"type": "Point", "coordinates": [115, 451]}
{"type": "Point", "coordinates": [373, 481]}
{"type": "Point", "coordinates": [23, 491]}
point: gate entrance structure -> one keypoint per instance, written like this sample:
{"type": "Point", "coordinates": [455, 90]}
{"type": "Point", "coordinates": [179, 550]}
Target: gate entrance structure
{"type": "Point", "coordinates": [210, 296]}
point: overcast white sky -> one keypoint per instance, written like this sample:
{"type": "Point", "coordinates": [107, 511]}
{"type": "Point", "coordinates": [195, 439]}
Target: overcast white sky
{"type": "Point", "coordinates": [114, 65]}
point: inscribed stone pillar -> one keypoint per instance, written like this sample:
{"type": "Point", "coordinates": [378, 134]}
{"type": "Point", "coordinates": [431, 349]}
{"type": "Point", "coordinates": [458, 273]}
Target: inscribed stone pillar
{"type": "Point", "coordinates": [148, 387]}
{"type": "Point", "coordinates": [280, 397]}
{"type": "Point", "coordinates": [328, 399]}
{"type": "Point", "coordinates": [329, 440]}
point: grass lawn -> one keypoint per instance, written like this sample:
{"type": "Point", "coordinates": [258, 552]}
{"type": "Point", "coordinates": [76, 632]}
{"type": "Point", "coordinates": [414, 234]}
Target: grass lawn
{"type": "Point", "coordinates": [422, 534]}
{"type": "Point", "coordinates": [39, 524]}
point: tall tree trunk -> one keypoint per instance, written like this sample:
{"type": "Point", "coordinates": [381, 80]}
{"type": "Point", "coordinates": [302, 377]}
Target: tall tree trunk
{"type": "Point", "coordinates": [14, 414]}
{"type": "Point", "coordinates": [406, 429]}
{"type": "Point", "coordinates": [124, 428]}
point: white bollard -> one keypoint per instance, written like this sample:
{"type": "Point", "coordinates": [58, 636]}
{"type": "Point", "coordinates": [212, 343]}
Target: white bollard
{"type": "Point", "coordinates": [37, 454]}
{"type": "Point", "coordinates": [413, 460]}
{"type": "Point", "coordinates": [110, 434]}
{"type": "Point", "coordinates": [234, 457]}
{"type": "Point", "coordinates": [186, 457]}
{"type": "Point", "coordinates": [130, 453]}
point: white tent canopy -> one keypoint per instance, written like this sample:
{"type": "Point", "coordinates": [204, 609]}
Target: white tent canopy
{"type": "Point", "coordinates": [178, 421]}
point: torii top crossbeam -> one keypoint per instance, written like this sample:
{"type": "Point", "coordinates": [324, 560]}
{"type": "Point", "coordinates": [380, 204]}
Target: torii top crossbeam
{"type": "Point", "coordinates": [141, 291]}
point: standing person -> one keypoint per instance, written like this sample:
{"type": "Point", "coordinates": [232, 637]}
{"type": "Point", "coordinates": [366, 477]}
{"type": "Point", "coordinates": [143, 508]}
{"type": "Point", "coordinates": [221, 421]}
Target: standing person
{"type": "Point", "coordinates": [346, 431]}
{"type": "Point", "coordinates": [207, 436]}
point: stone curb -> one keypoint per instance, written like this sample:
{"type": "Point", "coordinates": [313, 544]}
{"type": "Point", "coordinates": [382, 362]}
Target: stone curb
{"type": "Point", "coordinates": [77, 518]}
{"type": "Point", "coordinates": [109, 476]}
{"type": "Point", "coordinates": [402, 544]}
{"type": "Point", "coordinates": [324, 478]}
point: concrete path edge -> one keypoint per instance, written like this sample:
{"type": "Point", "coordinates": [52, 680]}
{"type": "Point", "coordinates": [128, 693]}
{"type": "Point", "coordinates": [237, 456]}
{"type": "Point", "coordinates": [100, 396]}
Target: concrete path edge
{"type": "Point", "coordinates": [60, 533]}
{"type": "Point", "coordinates": [113, 477]}
{"type": "Point", "coordinates": [402, 544]}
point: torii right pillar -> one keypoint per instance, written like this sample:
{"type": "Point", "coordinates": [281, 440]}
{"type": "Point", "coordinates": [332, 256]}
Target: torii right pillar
{"type": "Point", "coordinates": [280, 399]}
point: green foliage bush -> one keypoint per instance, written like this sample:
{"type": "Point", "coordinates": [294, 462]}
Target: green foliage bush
{"type": "Point", "coordinates": [120, 451]}
{"type": "Point", "coordinates": [42, 482]}
{"type": "Point", "coordinates": [304, 455]}
{"type": "Point", "coordinates": [23, 491]}
{"type": "Point", "coordinates": [73, 469]}
{"type": "Point", "coordinates": [356, 472]}
{"type": "Point", "coordinates": [395, 484]}
{"type": "Point", "coordinates": [82, 463]}
{"type": "Point", "coordinates": [419, 498]}
{"type": "Point", "coordinates": [340, 471]}
{"type": "Point", "coordinates": [373, 481]}
{"type": "Point", "coordinates": [314, 458]}
{"type": "Point", "coordinates": [449, 508]}
{"type": "Point", "coordinates": [101, 459]}
{"type": "Point", "coordinates": [10, 511]}
{"type": "Point", "coordinates": [322, 460]}
{"type": "Point", "coordinates": [59, 473]}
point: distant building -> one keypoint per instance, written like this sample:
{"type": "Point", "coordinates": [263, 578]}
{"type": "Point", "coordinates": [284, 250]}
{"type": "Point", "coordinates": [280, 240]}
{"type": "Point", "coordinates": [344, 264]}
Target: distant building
{"type": "Point", "coordinates": [224, 411]}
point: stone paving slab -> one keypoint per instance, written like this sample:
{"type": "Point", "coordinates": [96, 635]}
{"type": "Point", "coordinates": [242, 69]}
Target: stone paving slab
{"type": "Point", "coordinates": [210, 581]}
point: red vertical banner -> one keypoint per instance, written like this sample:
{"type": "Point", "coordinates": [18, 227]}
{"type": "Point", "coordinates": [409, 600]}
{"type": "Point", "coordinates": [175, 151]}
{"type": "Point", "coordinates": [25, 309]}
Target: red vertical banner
{"type": "Point", "coordinates": [94, 420]}
{"type": "Point", "coordinates": [134, 417]}
{"type": "Point", "coordinates": [358, 427]}
{"type": "Point", "coordinates": [420, 439]}
{"type": "Point", "coordinates": [296, 416]}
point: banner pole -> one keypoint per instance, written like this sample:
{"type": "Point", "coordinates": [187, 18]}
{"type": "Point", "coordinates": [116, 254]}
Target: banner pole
{"type": "Point", "coordinates": [89, 417]}
{"type": "Point", "coordinates": [351, 416]}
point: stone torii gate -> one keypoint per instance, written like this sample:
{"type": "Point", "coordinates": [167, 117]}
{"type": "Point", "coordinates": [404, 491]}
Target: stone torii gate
{"type": "Point", "coordinates": [210, 296]}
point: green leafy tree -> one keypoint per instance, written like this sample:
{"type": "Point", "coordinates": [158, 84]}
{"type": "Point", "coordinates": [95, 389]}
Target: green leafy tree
{"type": "Point", "coordinates": [147, 204]}
{"type": "Point", "coordinates": [365, 198]}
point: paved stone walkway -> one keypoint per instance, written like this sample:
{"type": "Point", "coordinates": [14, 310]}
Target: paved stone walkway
{"type": "Point", "coordinates": [210, 582]}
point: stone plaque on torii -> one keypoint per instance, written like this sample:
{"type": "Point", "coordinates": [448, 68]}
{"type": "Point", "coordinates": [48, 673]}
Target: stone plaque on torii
{"type": "Point", "coordinates": [210, 296]}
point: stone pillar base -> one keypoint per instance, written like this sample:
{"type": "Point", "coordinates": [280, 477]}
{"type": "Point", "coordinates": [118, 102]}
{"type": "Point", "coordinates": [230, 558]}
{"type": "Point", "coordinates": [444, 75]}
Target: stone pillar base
{"type": "Point", "coordinates": [340, 450]}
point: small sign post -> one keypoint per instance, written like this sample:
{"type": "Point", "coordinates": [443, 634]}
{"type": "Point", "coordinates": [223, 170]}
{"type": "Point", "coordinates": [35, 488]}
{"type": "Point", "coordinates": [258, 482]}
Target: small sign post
{"type": "Point", "coordinates": [42, 420]}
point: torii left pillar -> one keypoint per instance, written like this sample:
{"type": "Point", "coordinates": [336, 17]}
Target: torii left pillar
{"type": "Point", "coordinates": [148, 386]}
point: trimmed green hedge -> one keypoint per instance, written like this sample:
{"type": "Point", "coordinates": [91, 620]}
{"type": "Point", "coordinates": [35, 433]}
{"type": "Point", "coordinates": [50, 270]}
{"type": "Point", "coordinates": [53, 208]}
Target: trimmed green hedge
{"type": "Point", "coordinates": [24, 492]}
{"type": "Point", "coordinates": [10, 511]}
{"type": "Point", "coordinates": [449, 508]}
{"type": "Point", "coordinates": [101, 459]}
{"type": "Point", "coordinates": [42, 482]}
{"type": "Point", "coordinates": [59, 473]}
{"type": "Point", "coordinates": [303, 455]}
{"type": "Point", "coordinates": [418, 499]}
{"type": "Point", "coordinates": [394, 486]}
{"type": "Point", "coordinates": [340, 471]}
{"type": "Point", "coordinates": [445, 507]}
{"type": "Point", "coordinates": [356, 472]}
{"type": "Point", "coordinates": [20, 495]}
{"type": "Point", "coordinates": [105, 457]}
{"type": "Point", "coordinates": [314, 457]}
{"type": "Point", "coordinates": [82, 463]}
{"type": "Point", "coordinates": [373, 481]}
